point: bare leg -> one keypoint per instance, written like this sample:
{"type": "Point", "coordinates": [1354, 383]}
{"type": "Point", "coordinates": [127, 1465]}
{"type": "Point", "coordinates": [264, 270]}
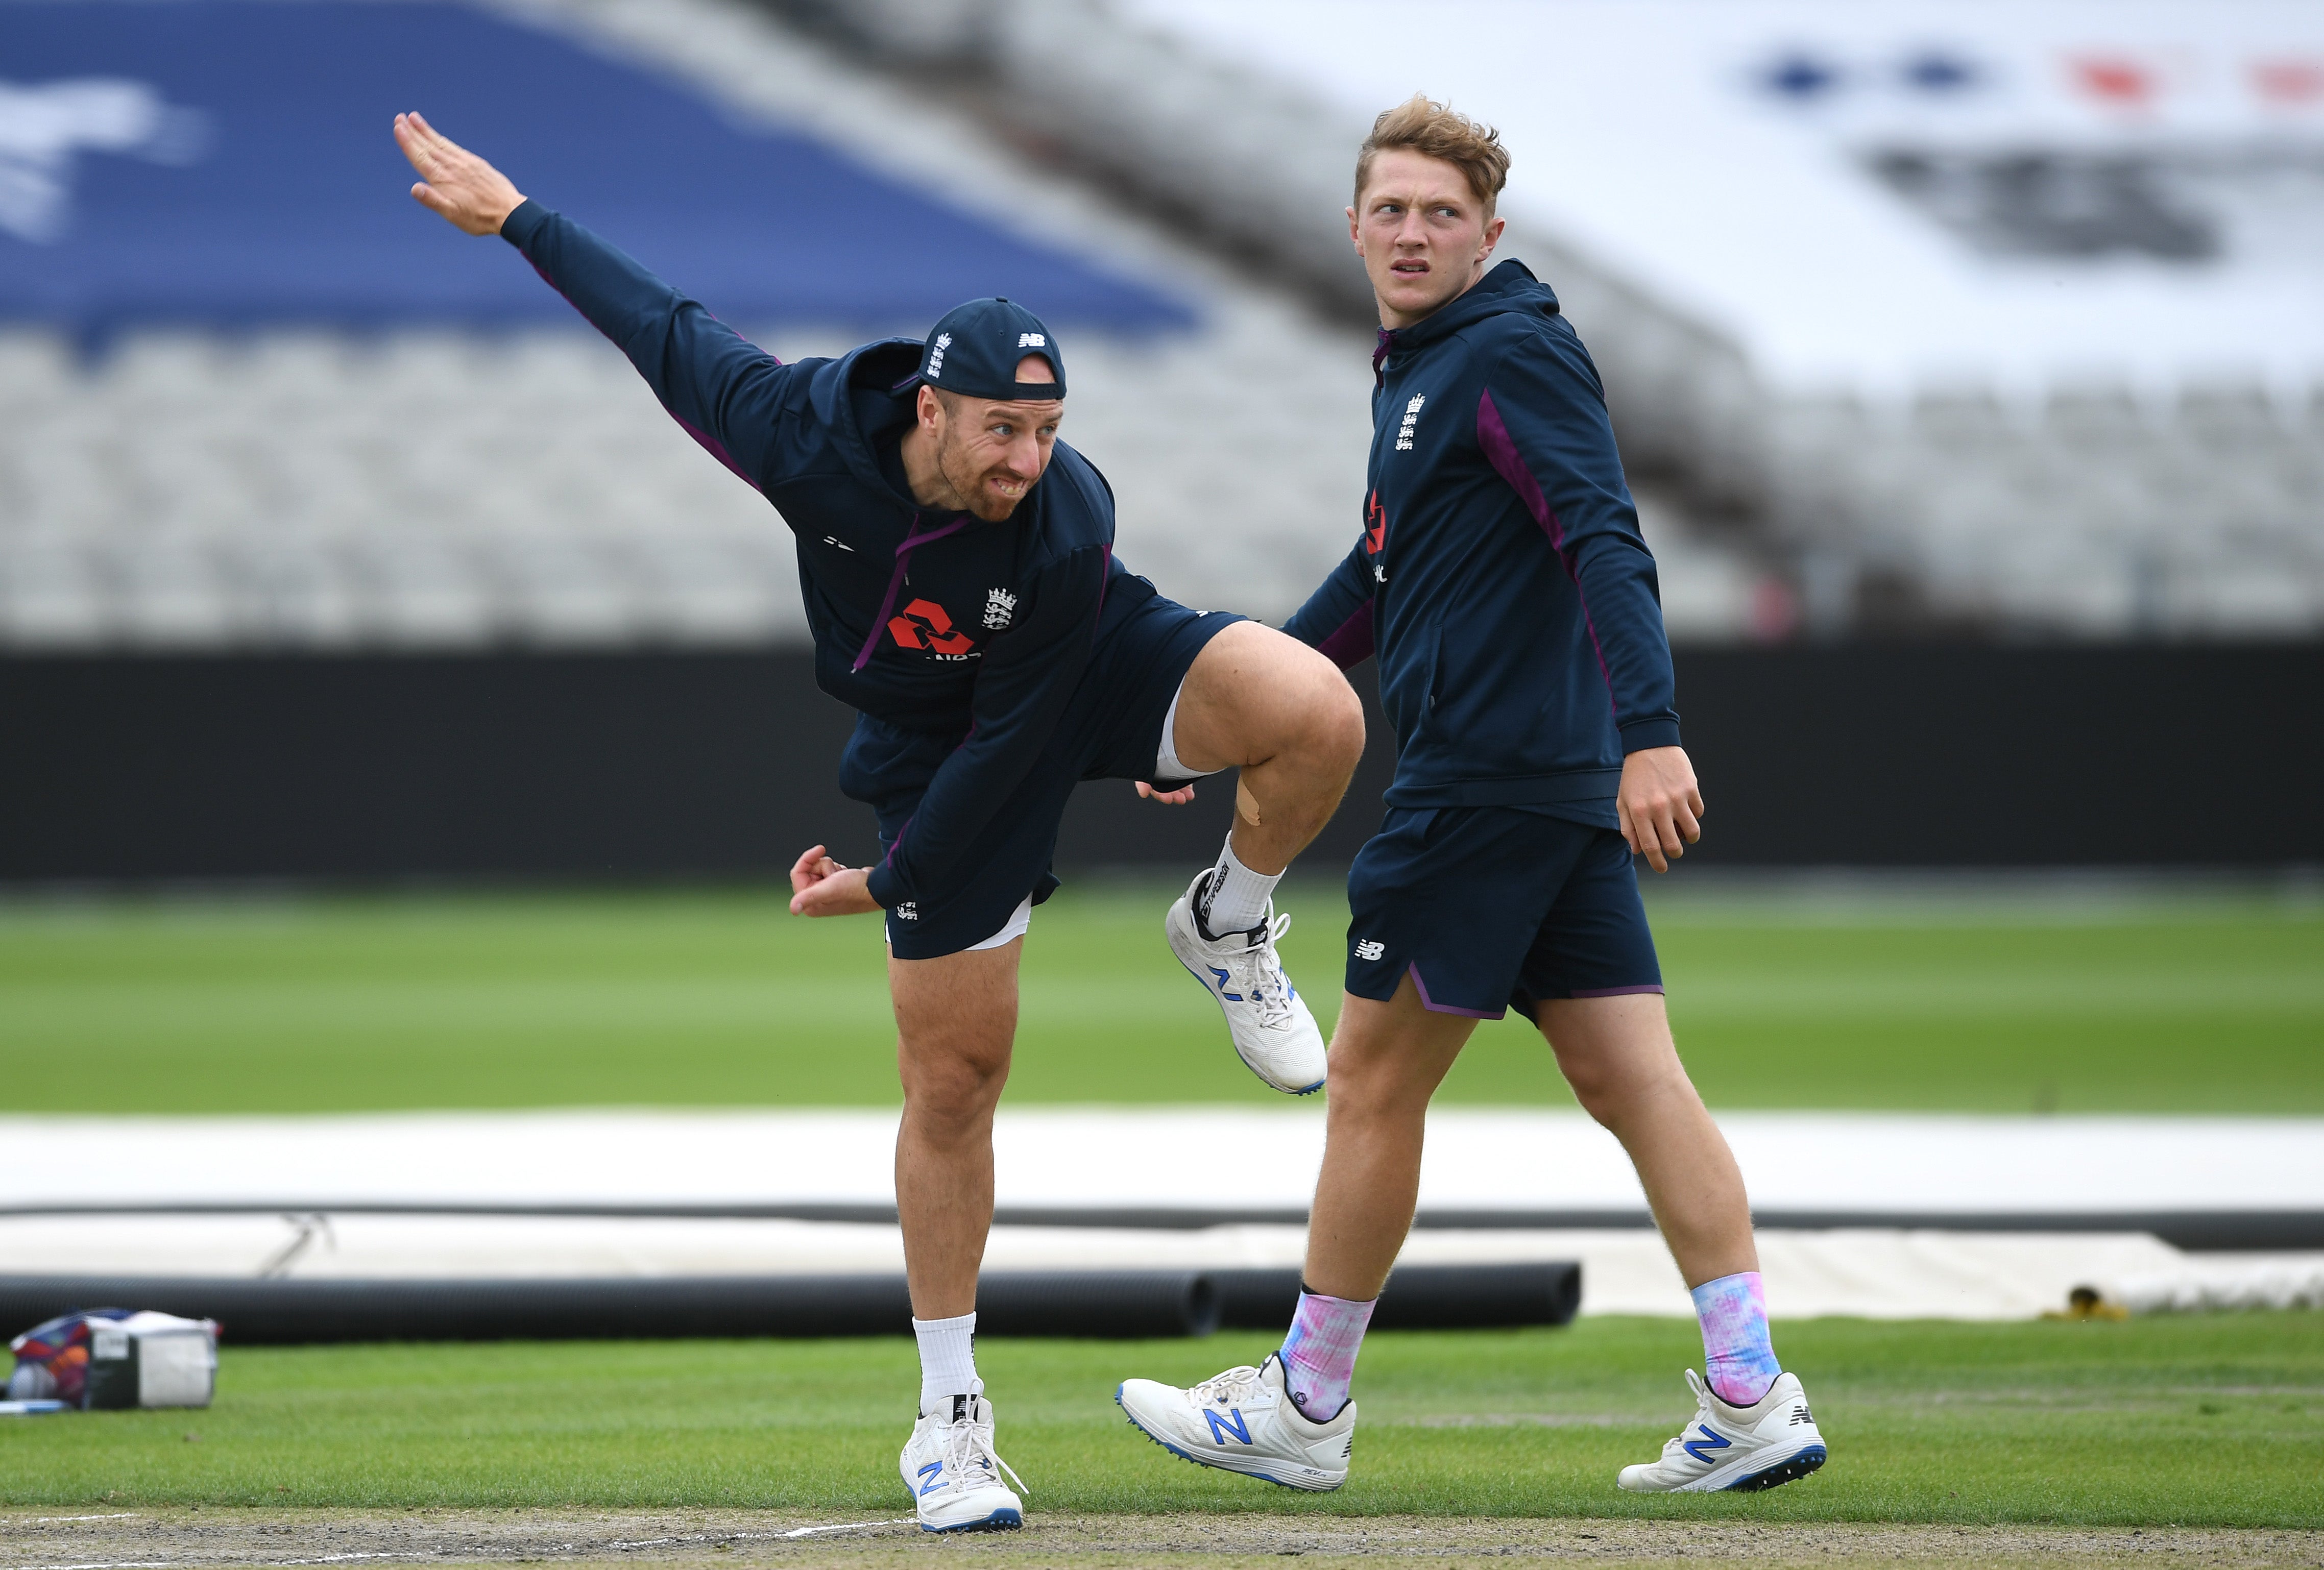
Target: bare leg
{"type": "Point", "coordinates": [955, 1020]}
{"type": "Point", "coordinates": [1617, 1054]}
{"type": "Point", "coordinates": [1268, 704]}
{"type": "Point", "coordinates": [1386, 1061]}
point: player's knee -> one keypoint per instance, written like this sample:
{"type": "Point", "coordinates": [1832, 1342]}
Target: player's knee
{"type": "Point", "coordinates": [1611, 1090]}
{"type": "Point", "coordinates": [1599, 1098]}
{"type": "Point", "coordinates": [1329, 714]}
{"type": "Point", "coordinates": [1371, 1086]}
{"type": "Point", "coordinates": [1342, 721]}
{"type": "Point", "coordinates": [952, 1092]}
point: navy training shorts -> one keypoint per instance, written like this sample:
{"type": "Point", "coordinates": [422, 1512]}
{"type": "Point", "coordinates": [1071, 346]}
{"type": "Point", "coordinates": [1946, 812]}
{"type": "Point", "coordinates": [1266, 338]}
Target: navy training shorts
{"type": "Point", "coordinates": [1111, 730]}
{"type": "Point", "coordinates": [1494, 908]}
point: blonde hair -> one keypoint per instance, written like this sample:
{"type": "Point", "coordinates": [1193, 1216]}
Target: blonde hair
{"type": "Point", "coordinates": [1437, 130]}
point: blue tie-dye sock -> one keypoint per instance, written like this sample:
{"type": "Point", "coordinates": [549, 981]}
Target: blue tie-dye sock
{"type": "Point", "coordinates": [1739, 1361]}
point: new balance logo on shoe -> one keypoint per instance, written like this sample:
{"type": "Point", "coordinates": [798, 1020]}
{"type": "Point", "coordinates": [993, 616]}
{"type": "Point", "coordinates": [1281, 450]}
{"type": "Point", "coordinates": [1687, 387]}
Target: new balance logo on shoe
{"type": "Point", "coordinates": [1370, 948]}
{"type": "Point", "coordinates": [1224, 979]}
{"type": "Point", "coordinates": [1232, 1423]}
{"type": "Point", "coordinates": [934, 1473]}
{"type": "Point", "coordinates": [1699, 1449]}
{"type": "Point", "coordinates": [1800, 1417]}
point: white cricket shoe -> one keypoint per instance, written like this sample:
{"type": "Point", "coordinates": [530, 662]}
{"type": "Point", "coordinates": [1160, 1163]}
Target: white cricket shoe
{"type": "Point", "coordinates": [1243, 1421]}
{"type": "Point", "coordinates": [954, 1476]}
{"type": "Point", "coordinates": [1274, 1033]}
{"type": "Point", "coordinates": [1736, 1448]}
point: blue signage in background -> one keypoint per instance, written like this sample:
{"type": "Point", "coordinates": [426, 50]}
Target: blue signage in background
{"type": "Point", "coordinates": [228, 163]}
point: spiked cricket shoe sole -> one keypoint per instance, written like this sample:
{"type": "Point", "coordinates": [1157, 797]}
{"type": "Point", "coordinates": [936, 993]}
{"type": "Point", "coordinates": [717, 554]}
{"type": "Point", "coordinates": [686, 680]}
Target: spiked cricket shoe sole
{"type": "Point", "coordinates": [1751, 1474]}
{"type": "Point", "coordinates": [1007, 1518]}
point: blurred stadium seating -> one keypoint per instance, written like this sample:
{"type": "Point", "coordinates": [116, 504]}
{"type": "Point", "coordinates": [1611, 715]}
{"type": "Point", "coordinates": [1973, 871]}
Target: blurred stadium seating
{"type": "Point", "coordinates": [2001, 317]}
{"type": "Point", "coordinates": [251, 399]}
{"type": "Point", "coordinates": [281, 407]}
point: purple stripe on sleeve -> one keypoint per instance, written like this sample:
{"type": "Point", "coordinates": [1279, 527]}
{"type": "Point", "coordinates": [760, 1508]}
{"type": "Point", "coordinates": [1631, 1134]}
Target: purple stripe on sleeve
{"type": "Point", "coordinates": [1616, 991]}
{"type": "Point", "coordinates": [1501, 451]}
{"type": "Point", "coordinates": [714, 446]}
{"type": "Point", "coordinates": [1436, 1007]}
{"type": "Point", "coordinates": [1354, 641]}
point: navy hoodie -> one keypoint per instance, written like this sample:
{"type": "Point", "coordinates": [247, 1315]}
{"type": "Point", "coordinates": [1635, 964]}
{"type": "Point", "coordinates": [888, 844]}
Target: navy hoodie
{"type": "Point", "coordinates": [931, 621]}
{"type": "Point", "coordinates": [1501, 576]}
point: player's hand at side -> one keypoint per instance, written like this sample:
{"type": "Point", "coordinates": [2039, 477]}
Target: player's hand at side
{"type": "Point", "coordinates": [1177, 798]}
{"type": "Point", "coordinates": [821, 886]}
{"type": "Point", "coordinates": [1660, 806]}
{"type": "Point", "coordinates": [454, 183]}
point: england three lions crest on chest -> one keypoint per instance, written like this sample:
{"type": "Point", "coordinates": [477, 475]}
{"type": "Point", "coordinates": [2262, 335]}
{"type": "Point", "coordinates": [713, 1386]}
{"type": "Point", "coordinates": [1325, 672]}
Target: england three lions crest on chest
{"type": "Point", "coordinates": [999, 609]}
{"type": "Point", "coordinates": [1411, 418]}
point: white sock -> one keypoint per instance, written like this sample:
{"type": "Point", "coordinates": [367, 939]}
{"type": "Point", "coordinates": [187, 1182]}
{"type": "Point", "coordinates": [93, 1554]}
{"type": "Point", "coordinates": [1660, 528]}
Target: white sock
{"type": "Point", "coordinates": [1237, 899]}
{"type": "Point", "coordinates": [947, 1359]}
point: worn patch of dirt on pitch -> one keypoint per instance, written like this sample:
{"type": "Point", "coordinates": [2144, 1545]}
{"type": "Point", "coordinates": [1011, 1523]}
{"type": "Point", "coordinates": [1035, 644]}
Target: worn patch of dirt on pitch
{"type": "Point", "coordinates": [194, 1539]}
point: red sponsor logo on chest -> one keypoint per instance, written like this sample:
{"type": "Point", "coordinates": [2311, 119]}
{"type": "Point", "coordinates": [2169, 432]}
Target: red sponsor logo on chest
{"type": "Point", "coordinates": [925, 624]}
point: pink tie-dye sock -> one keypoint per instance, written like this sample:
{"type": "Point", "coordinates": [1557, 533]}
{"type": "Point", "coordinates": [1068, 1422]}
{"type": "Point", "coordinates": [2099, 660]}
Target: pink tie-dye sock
{"type": "Point", "coordinates": [1739, 1361]}
{"type": "Point", "coordinates": [1319, 1354]}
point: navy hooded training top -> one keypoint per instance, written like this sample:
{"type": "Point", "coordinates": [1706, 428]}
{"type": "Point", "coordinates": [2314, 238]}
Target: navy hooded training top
{"type": "Point", "coordinates": [932, 621]}
{"type": "Point", "coordinates": [1501, 576]}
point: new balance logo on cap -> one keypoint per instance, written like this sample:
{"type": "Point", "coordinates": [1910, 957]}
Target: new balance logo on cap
{"type": "Point", "coordinates": [976, 349]}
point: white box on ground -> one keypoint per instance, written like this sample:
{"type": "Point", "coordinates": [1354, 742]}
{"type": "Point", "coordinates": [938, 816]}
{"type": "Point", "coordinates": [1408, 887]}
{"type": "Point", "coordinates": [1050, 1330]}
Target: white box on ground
{"type": "Point", "coordinates": [153, 1360]}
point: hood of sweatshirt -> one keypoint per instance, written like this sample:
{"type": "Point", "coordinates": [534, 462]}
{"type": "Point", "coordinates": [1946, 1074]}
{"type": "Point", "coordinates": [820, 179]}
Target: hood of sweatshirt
{"type": "Point", "coordinates": [1508, 289]}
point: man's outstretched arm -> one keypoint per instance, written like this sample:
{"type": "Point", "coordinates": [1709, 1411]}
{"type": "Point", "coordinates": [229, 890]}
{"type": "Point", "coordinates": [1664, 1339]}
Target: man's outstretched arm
{"type": "Point", "coordinates": [722, 389]}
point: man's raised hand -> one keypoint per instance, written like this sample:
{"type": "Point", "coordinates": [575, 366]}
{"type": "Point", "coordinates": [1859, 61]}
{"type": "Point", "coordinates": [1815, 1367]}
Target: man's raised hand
{"type": "Point", "coordinates": [454, 183]}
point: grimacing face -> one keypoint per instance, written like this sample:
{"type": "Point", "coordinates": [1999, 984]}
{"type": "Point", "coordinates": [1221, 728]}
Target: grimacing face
{"type": "Point", "coordinates": [1423, 234]}
{"type": "Point", "coordinates": [989, 452]}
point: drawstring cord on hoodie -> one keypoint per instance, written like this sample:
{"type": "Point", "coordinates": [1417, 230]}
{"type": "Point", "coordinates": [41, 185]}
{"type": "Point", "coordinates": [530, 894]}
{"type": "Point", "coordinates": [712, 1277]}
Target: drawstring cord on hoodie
{"type": "Point", "coordinates": [913, 540]}
{"type": "Point", "coordinates": [1386, 342]}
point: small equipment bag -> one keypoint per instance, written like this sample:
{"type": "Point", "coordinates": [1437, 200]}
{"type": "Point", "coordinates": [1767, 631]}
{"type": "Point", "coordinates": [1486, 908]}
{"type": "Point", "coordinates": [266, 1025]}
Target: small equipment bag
{"type": "Point", "coordinates": [100, 1358]}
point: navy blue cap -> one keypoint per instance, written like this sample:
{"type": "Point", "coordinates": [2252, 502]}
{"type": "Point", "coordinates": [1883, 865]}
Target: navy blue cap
{"type": "Point", "coordinates": [974, 351]}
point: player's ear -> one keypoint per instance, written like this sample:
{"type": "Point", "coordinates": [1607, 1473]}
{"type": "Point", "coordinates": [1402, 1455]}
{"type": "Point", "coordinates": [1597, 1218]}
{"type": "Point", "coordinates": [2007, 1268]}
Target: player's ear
{"type": "Point", "coordinates": [929, 409]}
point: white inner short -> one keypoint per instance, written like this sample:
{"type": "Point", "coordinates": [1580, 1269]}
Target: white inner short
{"type": "Point", "coordinates": [1167, 767]}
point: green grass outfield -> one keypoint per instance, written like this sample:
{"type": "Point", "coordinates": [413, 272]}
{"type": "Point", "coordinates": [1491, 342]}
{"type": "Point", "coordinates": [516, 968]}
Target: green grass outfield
{"type": "Point", "coordinates": [2190, 1420]}
{"type": "Point", "coordinates": [2139, 1003]}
